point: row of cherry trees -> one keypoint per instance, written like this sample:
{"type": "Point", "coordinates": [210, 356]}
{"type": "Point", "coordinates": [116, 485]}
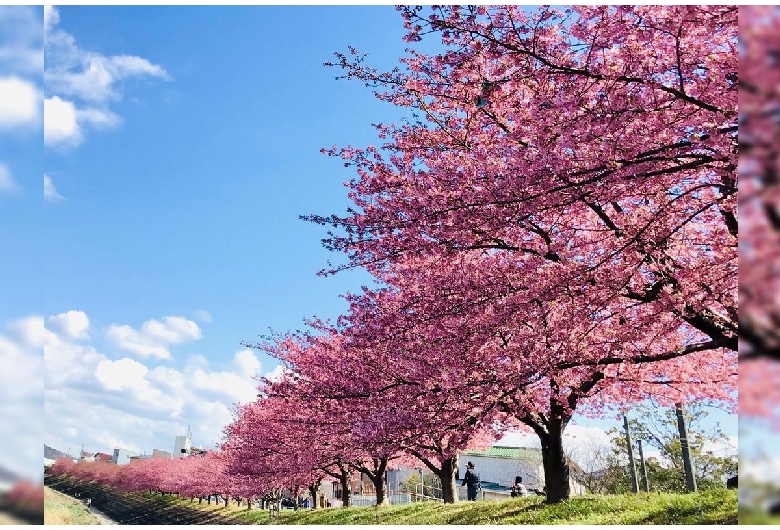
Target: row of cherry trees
{"type": "Point", "coordinates": [553, 230]}
{"type": "Point", "coordinates": [197, 477]}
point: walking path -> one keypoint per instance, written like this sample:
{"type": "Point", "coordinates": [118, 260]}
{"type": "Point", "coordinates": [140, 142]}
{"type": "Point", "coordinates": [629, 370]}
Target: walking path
{"type": "Point", "coordinates": [133, 508]}
{"type": "Point", "coordinates": [103, 518]}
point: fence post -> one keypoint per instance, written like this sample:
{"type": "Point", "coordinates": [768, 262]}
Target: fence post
{"type": "Point", "coordinates": [631, 465]}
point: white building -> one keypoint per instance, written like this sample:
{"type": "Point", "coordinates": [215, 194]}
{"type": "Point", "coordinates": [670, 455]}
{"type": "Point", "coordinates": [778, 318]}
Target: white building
{"type": "Point", "coordinates": [182, 446]}
{"type": "Point", "coordinates": [121, 456]}
{"type": "Point", "coordinates": [500, 465]}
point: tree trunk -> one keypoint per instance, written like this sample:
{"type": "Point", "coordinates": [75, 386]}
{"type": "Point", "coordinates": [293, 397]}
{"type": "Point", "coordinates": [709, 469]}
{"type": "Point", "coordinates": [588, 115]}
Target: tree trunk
{"type": "Point", "coordinates": [381, 490]}
{"type": "Point", "coordinates": [446, 475]}
{"type": "Point", "coordinates": [346, 489]}
{"type": "Point", "coordinates": [200, 500]}
{"type": "Point", "coordinates": [377, 477]}
{"type": "Point", "coordinates": [227, 498]}
{"type": "Point", "coordinates": [556, 466]}
{"type": "Point", "coordinates": [313, 491]}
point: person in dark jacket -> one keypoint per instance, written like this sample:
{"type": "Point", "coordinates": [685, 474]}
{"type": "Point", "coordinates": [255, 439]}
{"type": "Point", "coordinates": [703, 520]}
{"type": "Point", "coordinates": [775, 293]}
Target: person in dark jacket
{"type": "Point", "coordinates": [471, 481]}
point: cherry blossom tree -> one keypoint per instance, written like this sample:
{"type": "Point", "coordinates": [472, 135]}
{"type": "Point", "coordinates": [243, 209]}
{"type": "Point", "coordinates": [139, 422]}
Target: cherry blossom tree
{"type": "Point", "coordinates": [381, 399]}
{"type": "Point", "coordinates": [264, 445]}
{"type": "Point", "coordinates": [570, 194]}
{"type": "Point", "coordinates": [759, 166]}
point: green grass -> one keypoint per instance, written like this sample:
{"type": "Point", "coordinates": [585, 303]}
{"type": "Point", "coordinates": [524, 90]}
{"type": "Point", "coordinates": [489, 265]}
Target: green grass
{"type": "Point", "coordinates": [748, 516]}
{"type": "Point", "coordinates": [712, 507]}
{"type": "Point", "coordinates": [59, 509]}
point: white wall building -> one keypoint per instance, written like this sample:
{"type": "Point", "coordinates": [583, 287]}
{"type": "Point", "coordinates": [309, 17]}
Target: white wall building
{"type": "Point", "coordinates": [182, 447]}
{"type": "Point", "coordinates": [121, 456]}
{"type": "Point", "coordinates": [500, 465]}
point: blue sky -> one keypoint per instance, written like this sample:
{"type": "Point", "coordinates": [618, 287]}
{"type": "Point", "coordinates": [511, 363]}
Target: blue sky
{"type": "Point", "coordinates": [181, 145]}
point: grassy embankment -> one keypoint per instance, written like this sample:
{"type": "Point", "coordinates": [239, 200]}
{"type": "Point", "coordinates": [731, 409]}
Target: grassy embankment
{"type": "Point", "coordinates": [713, 507]}
{"type": "Point", "coordinates": [748, 516]}
{"type": "Point", "coordinates": [61, 509]}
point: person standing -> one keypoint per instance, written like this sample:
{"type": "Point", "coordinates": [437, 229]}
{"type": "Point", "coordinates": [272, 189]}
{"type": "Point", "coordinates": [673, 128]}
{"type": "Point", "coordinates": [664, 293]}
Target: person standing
{"type": "Point", "coordinates": [471, 481]}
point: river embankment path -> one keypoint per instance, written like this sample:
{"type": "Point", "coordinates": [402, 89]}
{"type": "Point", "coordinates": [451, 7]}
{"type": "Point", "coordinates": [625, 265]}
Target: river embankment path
{"type": "Point", "coordinates": [132, 508]}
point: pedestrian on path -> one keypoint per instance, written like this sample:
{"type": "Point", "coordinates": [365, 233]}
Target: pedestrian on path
{"type": "Point", "coordinates": [471, 481]}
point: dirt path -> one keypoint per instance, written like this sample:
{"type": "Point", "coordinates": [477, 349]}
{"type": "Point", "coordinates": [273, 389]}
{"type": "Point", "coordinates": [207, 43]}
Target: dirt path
{"type": "Point", "coordinates": [103, 518]}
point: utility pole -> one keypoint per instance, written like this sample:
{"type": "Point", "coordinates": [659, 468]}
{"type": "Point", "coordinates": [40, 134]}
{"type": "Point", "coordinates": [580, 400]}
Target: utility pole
{"type": "Point", "coordinates": [631, 465]}
{"type": "Point", "coordinates": [690, 479]}
{"type": "Point", "coordinates": [642, 467]}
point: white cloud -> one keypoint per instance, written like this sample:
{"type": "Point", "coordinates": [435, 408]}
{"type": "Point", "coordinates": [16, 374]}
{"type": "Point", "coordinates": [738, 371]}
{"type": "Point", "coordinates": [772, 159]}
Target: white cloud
{"type": "Point", "coordinates": [203, 316]}
{"type": "Point", "coordinates": [763, 470]}
{"type": "Point", "coordinates": [21, 45]}
{"type": "Point", "coordinates": [72, 324]}
{"type": "Point", "coordinates": [232, 385]}
{"type": "Point", "coordinates": [127, 375]}
{"type": "Point", "coordinates": [107, 440]}
{"type": "Point", "coordinates": [60, 125]}
{"type": "Point", "coordinates": [726, 447]}
{"type": "Point", "coordinates": [67, 362]}
{"type": "Point", "coordinates": [50, 192]}
{"type": "Point", "coordinates": [247, 363]}
{"type": "Point", "coordinates": [100, 118]}
{"type": "Point", "coordinates": [21, 393]}
{"type": "Point", "coordinates": [63, 122]}
{"type": "Point", "coordinates": [83, 83]}
{"type": "Point", "coordinates": [276, 374]}
{"type": "Point", "coordinates": [154, 337]}
{"type": "Point", "coordinates": [106, 402]}
{"type": "Point", "coordinates": [51, 18]}
{"type": "Point", "coordinates": [7, 184]}
{"type": "Point", "coordinates": [20, 103]}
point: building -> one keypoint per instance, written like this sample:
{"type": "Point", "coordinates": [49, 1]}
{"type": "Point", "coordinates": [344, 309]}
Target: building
{"type": "Point", "coordinates": [182, 446]}
{"type": "Point", "coordinates": [122, 456]}
{"type": "Point", "coordinates": [499, 465]}
{"type": "Point", "coordinates": [159, 453]}
{"type": "Point", "coordinates": [103, 457]}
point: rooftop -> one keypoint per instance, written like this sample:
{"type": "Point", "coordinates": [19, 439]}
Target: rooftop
{"type": "Point", "coordinates": [516, 453]}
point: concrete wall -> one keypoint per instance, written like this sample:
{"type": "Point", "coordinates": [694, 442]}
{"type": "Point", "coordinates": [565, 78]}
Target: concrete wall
{"type": "Point", "coordinates": [504, 470]}
{"type": "Point", "coordinates": [157, 453]}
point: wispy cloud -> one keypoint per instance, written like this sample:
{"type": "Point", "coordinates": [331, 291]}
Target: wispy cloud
{"type": "Point", "coordinates": [83, 84]}
{"type": "Point", "coordinates": [50, 193]}
{"type": "Point", "coordinates": [154, 337]}
{"type": "Point", "coordinates": [7, 184]}
{"type": "Point", "coordinates": [21, 46]}
{"type": "Point", "coordinates": [203, 316]}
